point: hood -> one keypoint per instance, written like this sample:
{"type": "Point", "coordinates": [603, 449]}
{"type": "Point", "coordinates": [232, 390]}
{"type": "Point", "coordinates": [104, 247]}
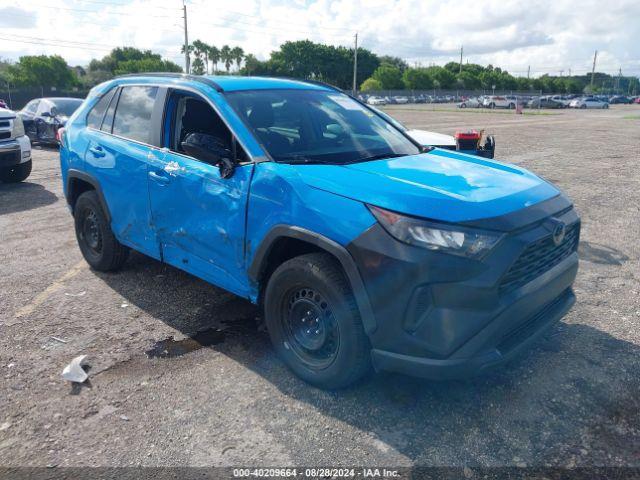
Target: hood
{"type": "Point", "coordinates": [6, 113]}
{"type": "Point", "coordinates": [431, 138]}
{"type": "Point", "coordinates": [439, 185]}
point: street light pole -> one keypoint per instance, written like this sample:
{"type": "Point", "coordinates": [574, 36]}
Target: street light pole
{"type": "Point", "coordinates": [355, 67]}
{"type": "Point", "coordinates": [186, 39]}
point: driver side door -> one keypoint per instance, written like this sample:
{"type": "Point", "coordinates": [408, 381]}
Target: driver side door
{"type": "Point", "coordinates": [198, 216]}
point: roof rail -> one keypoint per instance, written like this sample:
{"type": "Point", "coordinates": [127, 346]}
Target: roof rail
{"type": "Point", "coordinates": [312, 82]}
{"type": "Point", "coordinates": [185, 76]}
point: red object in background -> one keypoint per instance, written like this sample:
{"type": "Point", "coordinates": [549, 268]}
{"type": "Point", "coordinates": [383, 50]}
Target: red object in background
{"type": "Point", "coordinates": [467, 140]}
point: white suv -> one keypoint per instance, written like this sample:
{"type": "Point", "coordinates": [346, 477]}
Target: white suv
{"type": "Point", "coordinates": [15, 148]}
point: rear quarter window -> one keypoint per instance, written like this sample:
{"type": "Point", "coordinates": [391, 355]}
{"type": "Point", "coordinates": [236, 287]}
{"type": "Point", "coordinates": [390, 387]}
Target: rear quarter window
{"type": "Point", "coordinates": [96, 114]}
{"type": "Point", "coordinates": [133, 113]}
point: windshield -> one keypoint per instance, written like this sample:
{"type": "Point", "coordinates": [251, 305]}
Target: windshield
{"type": "Point", "coordinates": [308, 126]}
{"type": "Point", "coordinates": [66, 106]}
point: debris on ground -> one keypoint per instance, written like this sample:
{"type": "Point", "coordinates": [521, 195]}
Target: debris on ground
{"type": "Point", "coordinates": [58, 339]}
{"type": "Point", "coordinates": [74, 371]}
{"type": "Point", "coordinates": [79, 294]}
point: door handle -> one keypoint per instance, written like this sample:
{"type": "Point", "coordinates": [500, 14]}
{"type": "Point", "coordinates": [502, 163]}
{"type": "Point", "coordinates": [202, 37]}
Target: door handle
{"type": "Point", "coordinates": [97, 151]}
{"type": "Point", "coordinates": [158, 178]}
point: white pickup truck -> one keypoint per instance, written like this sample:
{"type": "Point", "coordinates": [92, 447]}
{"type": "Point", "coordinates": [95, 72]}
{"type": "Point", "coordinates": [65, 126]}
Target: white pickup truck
{"type": "Point", "coordinates": [15, 148]}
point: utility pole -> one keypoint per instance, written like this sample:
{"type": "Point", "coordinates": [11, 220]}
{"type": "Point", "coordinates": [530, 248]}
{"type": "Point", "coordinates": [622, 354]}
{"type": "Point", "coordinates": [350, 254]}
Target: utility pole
{"type": "Point", "coordinates": [619, 80]}
{"type": "Point", "coordinates": [593, 69]}
{"type": "Point", "coordinates": [355, 66]}
{"type": "Point", "coordinates": [461, 49]}
{"type": "Point", "coordinates": [528, 72]}
{"type": "Point", "coordinates": [187, 61]}
{"type": "Point", "coordinates": [569, 72]}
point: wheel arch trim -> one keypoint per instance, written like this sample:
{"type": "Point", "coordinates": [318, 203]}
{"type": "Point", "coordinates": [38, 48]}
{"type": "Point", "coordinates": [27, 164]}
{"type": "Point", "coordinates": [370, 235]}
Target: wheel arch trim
{"type": "Point", "coordinates": [73, 174]}
{"type": "Point", "coordinates": [347, 262]}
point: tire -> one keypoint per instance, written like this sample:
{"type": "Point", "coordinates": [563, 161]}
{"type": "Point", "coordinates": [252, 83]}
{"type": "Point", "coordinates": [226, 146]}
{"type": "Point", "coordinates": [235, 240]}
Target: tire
{"type": "Point", "coordinates": [583, 106]}
{"type": "Point", "coordinates": [97, 243]}
{"type": "Point", "coordinates": [312, 290]}
{"type": "Point", "coordinates": [605, 106]}
{"type": "Point", "coordinates": [16, 173]}
{"type": "Point", "coordinates": [512, 106]}
{"type": "Point", "coordinates": [463, 105]}
{"type": "Point", "coordinates": [492, 105]}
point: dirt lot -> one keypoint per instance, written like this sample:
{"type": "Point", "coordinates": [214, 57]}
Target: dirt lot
{"type": "Point", "coordinates": [573, 400]}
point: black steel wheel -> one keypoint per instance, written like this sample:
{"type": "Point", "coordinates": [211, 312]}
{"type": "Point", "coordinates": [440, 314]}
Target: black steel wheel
{"type": "Point", "coordinates": [314, 322]}
{"type": "Point", "coordinates": [98, 245]}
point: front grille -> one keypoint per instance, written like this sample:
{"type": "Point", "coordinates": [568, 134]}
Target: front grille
{"type": "Point", "coordinates": [538, 258]}
{"type": "Point", "coordinates": [5, 124]}
{"type": "Point", "coordinates": [5, 135]}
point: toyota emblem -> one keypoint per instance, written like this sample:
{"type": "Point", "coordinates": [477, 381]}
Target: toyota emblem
{"type": "Point", "coordinates": [558, 233]}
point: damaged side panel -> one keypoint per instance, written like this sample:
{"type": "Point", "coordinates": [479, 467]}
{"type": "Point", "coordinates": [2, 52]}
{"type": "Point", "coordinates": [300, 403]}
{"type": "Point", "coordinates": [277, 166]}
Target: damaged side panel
{"type": "Point", "coordinates": [199, 218]}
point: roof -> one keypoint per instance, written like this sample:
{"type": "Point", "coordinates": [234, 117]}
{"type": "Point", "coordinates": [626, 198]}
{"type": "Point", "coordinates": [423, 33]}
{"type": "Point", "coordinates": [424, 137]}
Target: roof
{"type": "Point", "coordinates": [235, 83]}
{"type": "Point", "coordinates": [230, 83]}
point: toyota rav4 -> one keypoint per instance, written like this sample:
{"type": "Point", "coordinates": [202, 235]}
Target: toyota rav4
{"type": "Point", "coordinates": [365, 249]}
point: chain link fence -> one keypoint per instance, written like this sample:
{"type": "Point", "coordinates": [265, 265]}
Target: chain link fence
{"type": "Point", "coordinates": [16, 98]}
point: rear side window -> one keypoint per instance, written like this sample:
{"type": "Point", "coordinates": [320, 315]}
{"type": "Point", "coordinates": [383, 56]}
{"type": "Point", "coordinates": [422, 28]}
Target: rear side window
{"type": "Point", "coordinates": [96, 114]}
{"type": "Point", "coordinates": [133, 113]}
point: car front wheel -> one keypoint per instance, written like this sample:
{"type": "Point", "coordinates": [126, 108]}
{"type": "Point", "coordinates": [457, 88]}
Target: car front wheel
{"type": "Point", "coordinates": [314, 322]}
{"type": "Point", "coordinates": [98, 245]}
{"type": "Point", "coordinates": [16, 173]}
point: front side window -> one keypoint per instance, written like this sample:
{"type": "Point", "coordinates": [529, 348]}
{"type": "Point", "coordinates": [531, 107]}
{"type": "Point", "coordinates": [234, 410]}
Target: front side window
{"type": "Point", "coordinates": [32, 106]}
{"type": "Point", "coordinates": [133, 113]}
{"type": "Point", "coordinates": [311, 126]}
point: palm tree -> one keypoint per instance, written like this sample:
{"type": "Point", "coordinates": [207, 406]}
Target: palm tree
{"type": "Point", "coordinates": [214, 56]}
{"type": "Point", "coordinates": [225, 56]}
{"type": "Point", "coordinates": [190, 48]}
{"type": "Point", "coordinates": [201, 48]}
{"type": "Point", "coordinates": [237, 54]}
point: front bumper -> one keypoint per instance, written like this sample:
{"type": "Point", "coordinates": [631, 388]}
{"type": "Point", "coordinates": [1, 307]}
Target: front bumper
{"type": "Point", "coordinates": [441, 316]}
{"type": "Point", "coordinates": [14, 152]}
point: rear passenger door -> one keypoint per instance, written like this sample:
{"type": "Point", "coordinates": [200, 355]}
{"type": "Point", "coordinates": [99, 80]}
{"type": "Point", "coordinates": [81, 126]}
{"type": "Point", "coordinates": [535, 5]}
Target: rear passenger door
{"type": "Point", "coordinates": [124, 131]}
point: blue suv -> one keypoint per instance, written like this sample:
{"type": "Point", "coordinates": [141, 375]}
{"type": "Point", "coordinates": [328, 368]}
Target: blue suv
{"type": "Point", "coordinates": [365, 249]}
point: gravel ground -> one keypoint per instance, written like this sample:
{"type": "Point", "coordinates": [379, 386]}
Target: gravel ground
{"type": "Point", "coordinates": [571, 401]}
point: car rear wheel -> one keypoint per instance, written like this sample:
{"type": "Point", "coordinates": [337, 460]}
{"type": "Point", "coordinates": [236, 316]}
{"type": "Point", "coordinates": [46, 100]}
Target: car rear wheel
{"type": "Point", "coordinates": [492, 105]}
{"type": "Point", "coordinates": [98, 245]}
{"type": "Point", "coordinates": [512, 106]}
{"type": "Point", "coordinates": [314, 322]}
{"type": "Point", "coordinates": [16, 173]}
{"type": "Point", "coordinates": [583, 106]}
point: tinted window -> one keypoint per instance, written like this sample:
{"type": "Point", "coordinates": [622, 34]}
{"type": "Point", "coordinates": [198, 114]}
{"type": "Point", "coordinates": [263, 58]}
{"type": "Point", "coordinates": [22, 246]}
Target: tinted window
{"type": "Point", "coordinates": [66, 106]}
{"type": "Point", "coordinates": [94, 119]}
{"type": "Point", "coordinates": [133, 113]}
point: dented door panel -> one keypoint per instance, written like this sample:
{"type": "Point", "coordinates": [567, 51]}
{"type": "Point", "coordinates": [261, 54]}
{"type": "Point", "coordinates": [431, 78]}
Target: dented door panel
{"type": "Point", "coordinates": [199, 218]}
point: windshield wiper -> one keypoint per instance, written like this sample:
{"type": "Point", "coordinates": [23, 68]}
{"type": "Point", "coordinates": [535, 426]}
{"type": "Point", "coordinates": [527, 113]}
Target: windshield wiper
{"type": "Point", "coordinates": [379, 156]}
{"type": "Point", "coordinates": [298, 159]}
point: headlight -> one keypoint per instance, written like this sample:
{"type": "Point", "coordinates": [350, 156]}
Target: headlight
{"type": "Point", "coordinates": [18, 127]}
{"type": "Point", "coordinates": [451, 239]}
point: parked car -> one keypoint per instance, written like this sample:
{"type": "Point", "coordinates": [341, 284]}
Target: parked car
{"type": "Point", "coordinates": [497, 101]}
{"type": "Point", "coordinates": [563, 100]}
{"type": "Point", "coordinates": [374, 100]}
{"type": "Point", "coordinates": [365, 250]}
{"type": "Point", "coordinates": [616, 99]}
{"type": "Point", "coordinates": [636, 100]}
{"type": "Point", "coordinates": [545, 102]}
{"type": "Point", "coordinates": [43, 117]}
{"type": "Point", "coordinates": [439, 140]}
{"type": "Point", "coordinates": [588, 102]}
{"type": "Point", "coordinates": [401, 100]}
{"type": "Point", "coordinates": [15, 148]}
{"type": "Point", "coordinates": [469, 103]}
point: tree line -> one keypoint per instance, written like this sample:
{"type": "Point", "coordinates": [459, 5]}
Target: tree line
{"type": "Point", "coordinates": [302, 59]}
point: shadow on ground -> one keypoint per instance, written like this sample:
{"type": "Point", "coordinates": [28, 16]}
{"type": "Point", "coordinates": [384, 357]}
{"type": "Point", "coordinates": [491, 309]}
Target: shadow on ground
{"type": "Point", "coordinates": [21, 197]}
{"type": "Point", "coordinates": [573, 398]}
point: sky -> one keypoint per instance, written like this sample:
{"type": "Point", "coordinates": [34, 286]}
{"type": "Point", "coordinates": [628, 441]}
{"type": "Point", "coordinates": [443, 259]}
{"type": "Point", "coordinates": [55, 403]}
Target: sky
{"type": "Point", "coordinates": [555, 37]}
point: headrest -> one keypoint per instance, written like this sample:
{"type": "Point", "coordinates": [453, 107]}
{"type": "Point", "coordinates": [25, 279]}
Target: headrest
{"type": "Point", "coordinates": [261, 115]}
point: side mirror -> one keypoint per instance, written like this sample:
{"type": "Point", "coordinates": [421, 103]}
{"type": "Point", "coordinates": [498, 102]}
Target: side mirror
{"type": "Point", "coordinates": [46, 114]}
{"type": "Point", "coordinates": [210, 149]}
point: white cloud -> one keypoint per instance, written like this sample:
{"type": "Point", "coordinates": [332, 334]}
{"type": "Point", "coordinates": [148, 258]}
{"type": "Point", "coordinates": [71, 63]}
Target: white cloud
{"type": "Point", "coordinates": [548, 36]}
